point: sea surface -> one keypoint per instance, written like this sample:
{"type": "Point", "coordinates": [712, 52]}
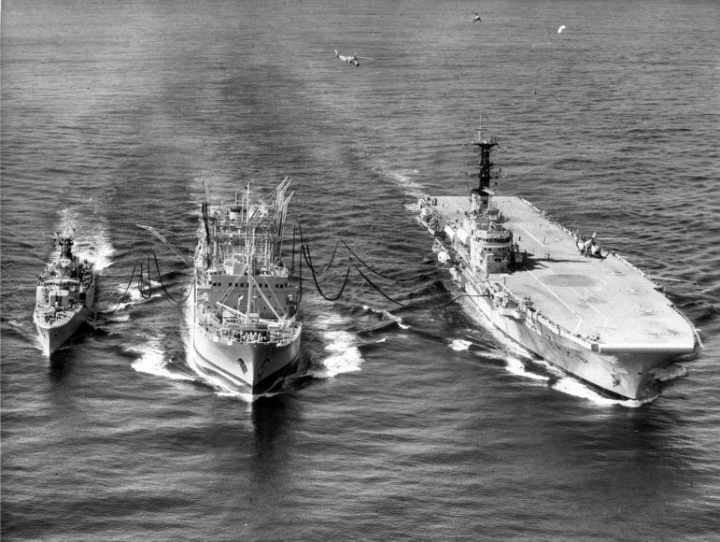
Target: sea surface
{"type": "Point", "coordinates": [408, 419]}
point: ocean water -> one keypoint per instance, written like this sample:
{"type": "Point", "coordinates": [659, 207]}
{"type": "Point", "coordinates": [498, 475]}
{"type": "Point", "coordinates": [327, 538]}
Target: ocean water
{"type": "Point", "coordinates": [430, 427]}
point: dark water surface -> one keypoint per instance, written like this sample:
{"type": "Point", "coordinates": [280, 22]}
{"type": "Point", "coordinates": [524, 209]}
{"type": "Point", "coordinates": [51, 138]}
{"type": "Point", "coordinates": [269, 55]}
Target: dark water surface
{"type": "Point", "coordinates": [117, 113]}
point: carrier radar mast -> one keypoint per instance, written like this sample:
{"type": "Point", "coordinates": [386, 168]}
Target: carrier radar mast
{"type": "Point", "coordinates": [485, 144]}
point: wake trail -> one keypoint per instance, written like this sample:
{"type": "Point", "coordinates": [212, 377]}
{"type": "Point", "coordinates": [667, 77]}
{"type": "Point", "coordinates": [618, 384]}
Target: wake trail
{"type": "Point", "coordinates": [341, 347]}
{"type": "Point", "coordinates": [152, 360]}
{"type": "Point", "coordinates": [403, 178]}
{"type": "Point", "coordinates": [92, 240]}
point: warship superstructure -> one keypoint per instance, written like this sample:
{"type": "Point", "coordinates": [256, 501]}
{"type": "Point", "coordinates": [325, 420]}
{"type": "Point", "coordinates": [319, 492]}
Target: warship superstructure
{"type": "Point", "coordinates": [64, 296]}
{"type": "Point", "coordinates": [590, 313]}
{"type": "Point", "coordinates": [245, 327]}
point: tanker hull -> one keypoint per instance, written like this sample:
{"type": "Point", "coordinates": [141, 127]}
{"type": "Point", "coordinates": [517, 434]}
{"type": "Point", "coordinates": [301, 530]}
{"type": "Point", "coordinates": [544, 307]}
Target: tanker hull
{"type": "Point", "coordinates": [255, 366]}
{"type": "Point", "coordinates": [244, 300]}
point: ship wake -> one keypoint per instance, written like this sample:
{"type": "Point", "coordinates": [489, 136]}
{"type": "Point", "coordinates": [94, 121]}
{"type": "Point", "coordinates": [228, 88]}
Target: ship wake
{"type": "Point", "coordinates": [403, 179]}
{"type": "Point", "coordinates": [342, 353]}
{"type": "Point", "coordinates": [92, 241]}
{"type": "Point", "coordinates": [154, 361]}
{"type": "Point", "coordinates": [129, 296]}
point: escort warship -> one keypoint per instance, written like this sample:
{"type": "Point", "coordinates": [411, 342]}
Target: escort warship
{"type": "Point", "coordinates": [64, 296]}
{"type": "Point", "coordinates": [591, 314]}
{"type": "Point", "coordinates": [244, 300]}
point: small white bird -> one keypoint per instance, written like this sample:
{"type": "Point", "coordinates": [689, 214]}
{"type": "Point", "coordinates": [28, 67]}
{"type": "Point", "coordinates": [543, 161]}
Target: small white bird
{"type": "Point", "coordinates": [476, 18]}
{"type": "Point", "coordinates": [562, 27]}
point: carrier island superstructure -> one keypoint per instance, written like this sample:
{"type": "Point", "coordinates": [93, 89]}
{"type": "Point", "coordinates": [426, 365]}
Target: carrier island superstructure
{"type": "Point", "coordinates": [245, 329]}
{"type": "Point", "coordinates": [593, 315]}
{"type": "Point", "coordinates": [64, 296]}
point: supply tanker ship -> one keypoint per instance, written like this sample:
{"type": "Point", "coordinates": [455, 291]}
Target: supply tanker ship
{"type": "Point", "coordinates": [244, 300]}
{"type": "Point", "coordinates": [592, 314]}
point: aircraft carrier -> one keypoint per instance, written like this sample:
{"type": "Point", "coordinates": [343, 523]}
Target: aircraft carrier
{"type": "Point", "coordinates": [590, 313]}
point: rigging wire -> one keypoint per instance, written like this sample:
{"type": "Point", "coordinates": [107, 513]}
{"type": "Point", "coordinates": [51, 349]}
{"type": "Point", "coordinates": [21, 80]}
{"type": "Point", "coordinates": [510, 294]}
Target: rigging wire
{"type": "Point", "coordinates": [144, 282]}
{"type": "Point", "coordinates": [145, 292]}
{"type": "Point", "coordinates": [347, 275]}
{"type": "Point", "coordinates": [162, 283]}
{"type": "Point", "coordinates": [132, 276]}
{"type": "Point", "coordinates": [144, 274]}
{"type": "Point", "coordinates": [371, 283]}
{"type": "Point", "coordinates": [354, 254]}
{"type": "Point", "coordinates": [303, 244]}
{"type": "Point", "coordinates": [378, 273]}
{"type": "Point", "coordinates": [300, 260]}
{"type": "Point", "coordinates": [332, 258]}
{"type": "Point", "coordinates": [305, 249]}
{"type": "Point", "coordinates": [317, 284]}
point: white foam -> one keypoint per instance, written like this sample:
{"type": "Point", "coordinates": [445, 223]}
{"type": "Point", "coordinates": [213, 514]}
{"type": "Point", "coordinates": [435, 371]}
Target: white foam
{"type": "Point", "coordinates": [92, 241]}
{"type": "Point", "coordinates": [330, 319]}
{"type": "Point", "coordinates": [120, 317]}
{"type": "Point", "coordinates": [152, 361]}
{"type": "Point", "coordinates": [459, 344]}
{"type": "Point", "coordinates": [395, 319]}
{"type": "Point", "coordinates": [344, 355]}
{"type": "Point", "coordinates": [571, 386]}
{"type": "Point", "coordinates": [222, 391]}
{"type": "Point", "coordinates": [122, 304]}
{"type": "Point", "coordinates": [387, 315]}
{"type": "Point", "coordinates": [411, 208]}
{"type": "Point", "coordinates": [37, 342]}
{"type": "Point", "coordinates": [671, 372]}
{"type": "Point", "coordinates": [547, 366]}
{"type": "Point", "coordinates": [133, 294]}
{"type": "Point", "coordinates": [403, 178]}
{"type": "Point", "coordinates": [97, 249]}
{"type": "Point", "coordinates": [518, 368]}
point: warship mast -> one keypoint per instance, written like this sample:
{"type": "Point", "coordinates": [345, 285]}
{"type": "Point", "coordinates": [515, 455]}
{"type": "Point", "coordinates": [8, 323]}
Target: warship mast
{"type": "Point", "coordinates": [485, 144]}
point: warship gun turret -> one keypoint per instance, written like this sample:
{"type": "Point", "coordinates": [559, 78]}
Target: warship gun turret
{"type": "Point", "coordinates": [593, 315]}
{"type": "Point", "coordinates": [244, 299]}
{"type": "Point", "coordinates": [64, 296]}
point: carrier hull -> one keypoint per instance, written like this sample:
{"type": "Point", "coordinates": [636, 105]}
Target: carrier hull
{"type": "Point", "coordinates": [629, 374]}
{"type": "Point", "coordinates": [600, 320]}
